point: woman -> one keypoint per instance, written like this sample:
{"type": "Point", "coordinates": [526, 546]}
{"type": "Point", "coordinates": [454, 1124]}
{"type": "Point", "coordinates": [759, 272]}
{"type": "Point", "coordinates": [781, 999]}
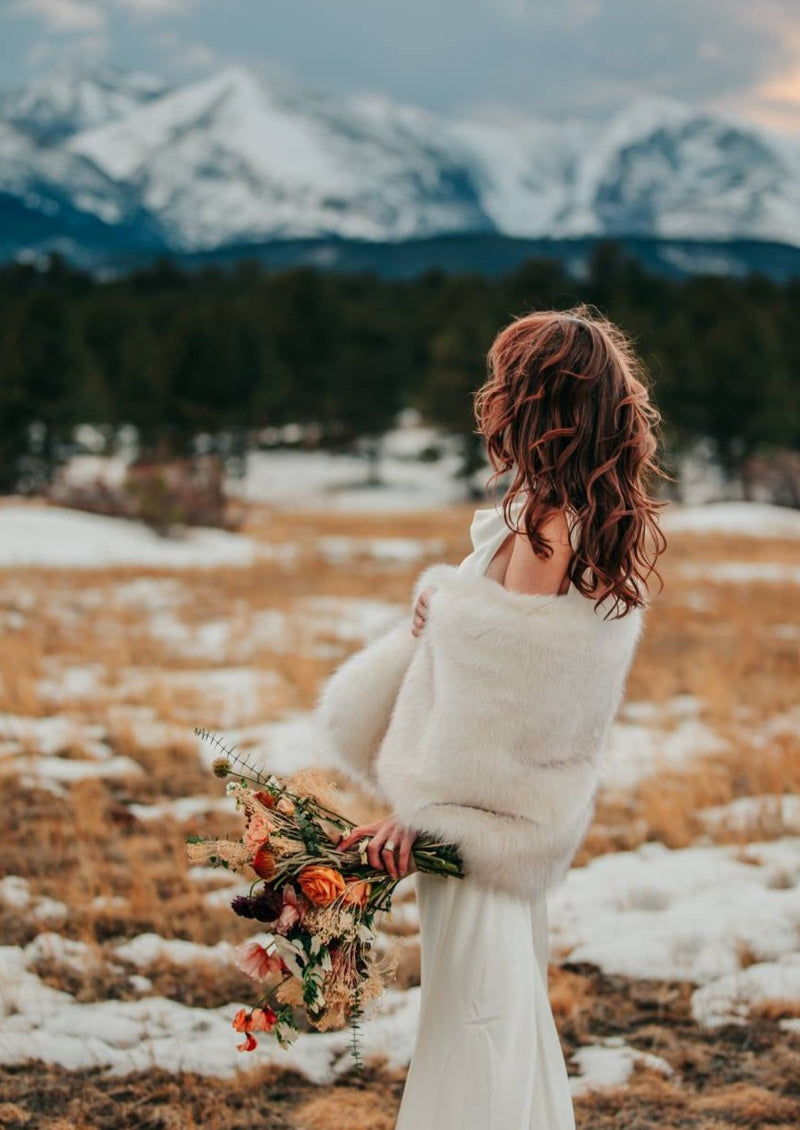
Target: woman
{"type": "Point", "coordinates": [485, 723]}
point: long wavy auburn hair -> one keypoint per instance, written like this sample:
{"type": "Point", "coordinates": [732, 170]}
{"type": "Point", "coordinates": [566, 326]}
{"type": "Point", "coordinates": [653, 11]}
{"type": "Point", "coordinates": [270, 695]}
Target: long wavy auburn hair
{"type": "Point", "coordinates": [566, 409]}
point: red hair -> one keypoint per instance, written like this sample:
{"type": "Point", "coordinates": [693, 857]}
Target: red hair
{"type": "Point", "coordinates": [566, 409]}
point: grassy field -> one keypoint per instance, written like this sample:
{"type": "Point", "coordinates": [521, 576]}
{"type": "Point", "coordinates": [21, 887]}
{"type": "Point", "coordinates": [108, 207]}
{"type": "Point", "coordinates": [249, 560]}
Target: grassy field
{"type": "Point", "coordinates": [103, 674]}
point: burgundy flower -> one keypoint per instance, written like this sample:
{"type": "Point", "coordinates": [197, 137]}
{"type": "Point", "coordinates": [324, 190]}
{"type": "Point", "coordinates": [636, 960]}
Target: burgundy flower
{"type": "Point", "coordinates": [264, 907]}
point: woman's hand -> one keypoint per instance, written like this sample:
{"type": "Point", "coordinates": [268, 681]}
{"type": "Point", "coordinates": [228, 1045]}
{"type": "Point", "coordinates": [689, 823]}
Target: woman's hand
{"type": "Point", "coordinates": [421, 612]}
{"type": "Point", "coordinates": [390, 845]}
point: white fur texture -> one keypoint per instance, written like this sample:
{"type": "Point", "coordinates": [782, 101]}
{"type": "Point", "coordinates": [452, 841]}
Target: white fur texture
{"type": "Point", "coordinates": [488, 729]}
{"type": "Point", "coordinates": [354, 707]}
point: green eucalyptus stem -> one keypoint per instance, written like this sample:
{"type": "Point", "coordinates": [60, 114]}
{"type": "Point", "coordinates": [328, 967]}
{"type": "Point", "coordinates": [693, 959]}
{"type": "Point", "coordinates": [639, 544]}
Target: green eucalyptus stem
{"type": "Point", "coordinates": [356, 1013]}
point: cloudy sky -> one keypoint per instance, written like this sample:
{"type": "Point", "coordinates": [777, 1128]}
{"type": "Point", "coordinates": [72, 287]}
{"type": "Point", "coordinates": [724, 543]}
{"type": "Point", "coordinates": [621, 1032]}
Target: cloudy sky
{"type": "Point", "coordinates": [549, 58]}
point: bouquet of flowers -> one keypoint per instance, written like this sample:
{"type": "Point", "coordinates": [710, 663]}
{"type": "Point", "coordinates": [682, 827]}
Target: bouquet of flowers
{"type": "Point", "coordinates": [318, 904]}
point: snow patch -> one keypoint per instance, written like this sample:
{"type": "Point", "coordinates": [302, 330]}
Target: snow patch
{"type": "Point", "coordinates": [147, 949]}
{"type": "Point", "coordinates": [16, 892]}
{"type": "Point", "coordinates": [339, 550]}
{"type": "Point", "coordinates": [323, 481]}
{"type": "Point", "coordinates": [745, 519]}
{"type": "Point", "coordinates": [610, 1064]}
{"type": "Point", "coordinates": [687, 914]}
{"type": "Point", "coordinates": [39, 1022]}
{"type": "Point", "coordinates": [53, 537]}
{"type": "Point", "coordinates": [646, 738]}
{"type": "Point", "coordinates": [730, 999]}
{"type": "Point", "coordinates": [744, 572]}
{"type": "Point", "coordinates": [749, 813]}
{"type": "Point", "coordinates": [283, 747]}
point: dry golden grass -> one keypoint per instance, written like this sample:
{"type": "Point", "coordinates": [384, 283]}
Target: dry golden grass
{"type": "Point", "coordinates": [41, 1098]}
{"type": "Point", "coordinates": [106, 976]}
{"type": "Point", "coordinates": [665, 807]}
{"type": "Point", "coordinates": [725, 644]}
{"type": "Point", "coordinates": [85, 847]}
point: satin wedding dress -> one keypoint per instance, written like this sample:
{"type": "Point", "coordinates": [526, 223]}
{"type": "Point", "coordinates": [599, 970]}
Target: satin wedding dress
{"type": "Point", "coordinates": [487, 1054]}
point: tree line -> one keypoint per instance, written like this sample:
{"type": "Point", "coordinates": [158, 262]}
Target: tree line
{"type": "Point", "coordinates": [177, 353]}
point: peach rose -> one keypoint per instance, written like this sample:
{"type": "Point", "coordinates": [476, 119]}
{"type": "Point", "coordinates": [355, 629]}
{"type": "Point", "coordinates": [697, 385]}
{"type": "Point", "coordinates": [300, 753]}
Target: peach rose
{"type": "Point", "coordinates": [357, 893]}
{"type": "Point", "coordinates": [258, 830]}
{"type": "Point", "coordinates": [321, 885]}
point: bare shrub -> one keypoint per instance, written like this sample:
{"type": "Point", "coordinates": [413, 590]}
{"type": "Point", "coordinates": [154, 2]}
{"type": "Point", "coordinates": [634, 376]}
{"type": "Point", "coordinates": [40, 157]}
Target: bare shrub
{"type": "Point", "coordinates": [774, 477]}
{"type": "Point", "coordinates": [165, 495]}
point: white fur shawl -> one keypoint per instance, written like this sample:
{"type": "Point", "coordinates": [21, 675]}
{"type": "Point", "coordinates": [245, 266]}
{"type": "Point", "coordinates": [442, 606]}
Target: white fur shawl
{"type": "Point", "coordinates": [488, 729]}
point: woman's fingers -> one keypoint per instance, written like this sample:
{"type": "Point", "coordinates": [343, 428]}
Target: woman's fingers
{"type": "Point", "coordinates": [375, 849]}
{"type": "Point", "coordinates": [390, 860]}
{"type": "Point", "coordinates": [356, 834]}
{"type": "Point", "coordinates": [382, 856]}
{"type": "Point", "coordinates": [398, 860]}
{"type": "Point", "coordinates": [405, 860]}
{"type": "Point", "coordinates": [420, 612]}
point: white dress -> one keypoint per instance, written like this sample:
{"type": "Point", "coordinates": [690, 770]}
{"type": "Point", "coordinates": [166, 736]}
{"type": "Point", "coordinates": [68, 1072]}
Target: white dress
{"type": "Point", "coordinates": [487, 1054]}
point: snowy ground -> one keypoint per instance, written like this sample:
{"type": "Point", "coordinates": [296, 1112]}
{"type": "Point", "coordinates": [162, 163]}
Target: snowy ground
{"type": "Point", "coordinates": [724, 917]}
{"type": "Point", "coordinates": [655, 913]}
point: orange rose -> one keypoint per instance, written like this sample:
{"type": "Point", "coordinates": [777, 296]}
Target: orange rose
{"type": "Point", "coordinates": [264, 862]}
{"type": "Point", "coordinates": [357, 893]}
{"type": "Point", "coordinates": [321, 885]}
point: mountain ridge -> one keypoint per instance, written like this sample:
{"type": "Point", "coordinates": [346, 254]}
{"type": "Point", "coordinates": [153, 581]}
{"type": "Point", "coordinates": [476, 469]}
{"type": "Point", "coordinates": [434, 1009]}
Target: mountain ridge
{"type": "Point", "coordinates": [237, 158]}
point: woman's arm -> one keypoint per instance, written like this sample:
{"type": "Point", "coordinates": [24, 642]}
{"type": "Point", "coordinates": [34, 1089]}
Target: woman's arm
{"type": "Point", "coordinates": [355, 704]}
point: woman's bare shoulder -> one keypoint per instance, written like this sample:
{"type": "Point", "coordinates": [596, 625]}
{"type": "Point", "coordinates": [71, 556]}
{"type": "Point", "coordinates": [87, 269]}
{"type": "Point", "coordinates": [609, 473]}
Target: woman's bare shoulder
{"type": "Point", "coordinates": [529, 573]}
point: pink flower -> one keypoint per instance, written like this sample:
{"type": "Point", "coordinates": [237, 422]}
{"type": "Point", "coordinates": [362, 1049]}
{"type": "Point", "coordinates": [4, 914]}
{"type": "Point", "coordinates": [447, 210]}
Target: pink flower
{"type": "Point", "coordinates": [262, 1020]}
{"type": "Point", "coordinates": [256, 962]}
{"type": "Point", "coordinates": [257, 831]}
{"type": "Point", "coordinates": [293, 911]}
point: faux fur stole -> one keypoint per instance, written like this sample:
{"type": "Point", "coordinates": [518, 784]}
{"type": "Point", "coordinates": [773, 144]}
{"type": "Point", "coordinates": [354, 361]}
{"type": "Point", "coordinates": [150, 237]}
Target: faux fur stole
{"type": "Point", "coordinates": [488, 728]}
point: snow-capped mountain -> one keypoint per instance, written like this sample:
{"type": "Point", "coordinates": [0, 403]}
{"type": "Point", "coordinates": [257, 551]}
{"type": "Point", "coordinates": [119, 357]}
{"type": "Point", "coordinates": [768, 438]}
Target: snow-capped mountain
{"type": "Point", "coordinates": [662, 169]}
{"type": "Point", "coordinates": [658, 169]}
{"type": "Point", "coordinates": [237, 159]}
{"type": "Point", "coordinates": [70, 99]}
{"type": "Point", "coordinates": [41, 176]}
